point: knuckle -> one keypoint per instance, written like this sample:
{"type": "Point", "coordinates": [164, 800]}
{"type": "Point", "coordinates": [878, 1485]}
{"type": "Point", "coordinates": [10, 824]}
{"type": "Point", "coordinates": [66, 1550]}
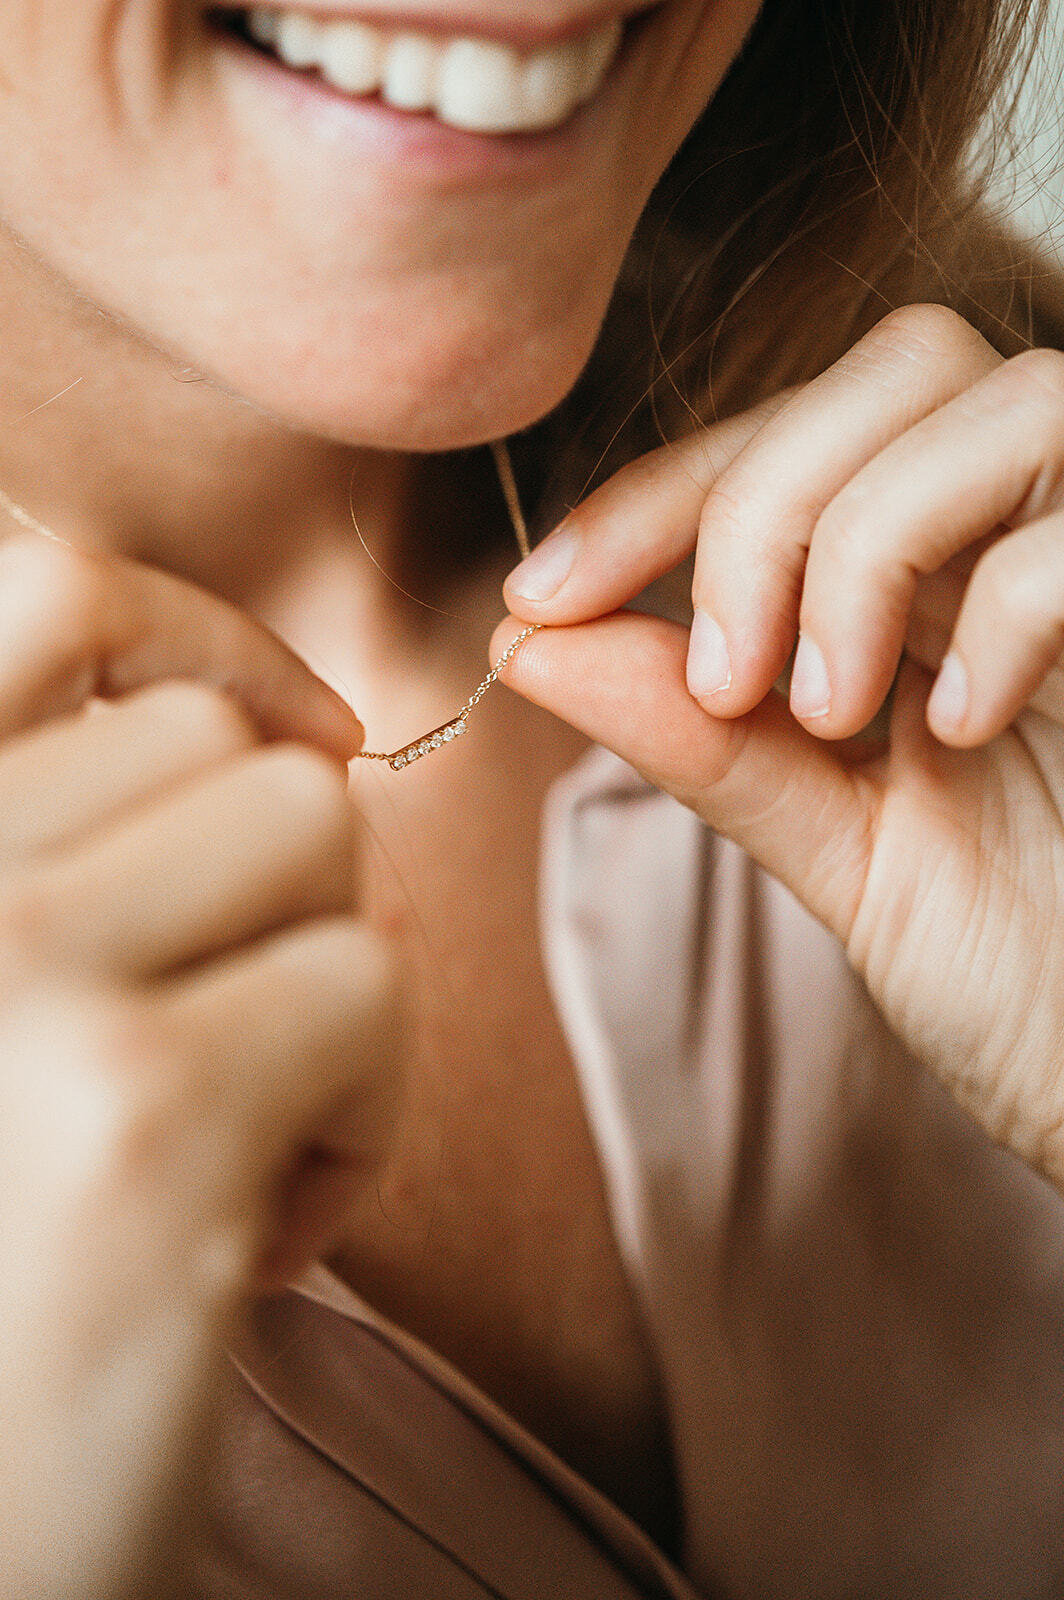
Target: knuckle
{"type": "Point", "coordinates": [202, 716]}
{"type": "Point", "coordinates": [846, 530]}
{"type": "Point", "coordinates": [837, 524]}
{"type": "Point", "coordinates": [990, 583]}
{"type": "Point", "coordinates": [702, 792]}
{"type": "Point", "coordinates": [1037, 374]}
{"type": "Point", "coordinates": [727, 510]}
{"type": "Point", "coordinates": [1013, 591]}
{"type": "Point", "coordinates": [923, 328]}
{"type": "Point", "coordinates": [737, 507]}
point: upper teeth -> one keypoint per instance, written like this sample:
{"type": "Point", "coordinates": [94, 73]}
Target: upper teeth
{"type": "Point", "coordinates": [475, 84]}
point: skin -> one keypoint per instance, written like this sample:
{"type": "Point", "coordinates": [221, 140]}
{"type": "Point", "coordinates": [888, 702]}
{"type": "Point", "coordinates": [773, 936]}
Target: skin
{"type": "Point", "coordinates": [162, 954]}
{"type": "Point", "coordinates": [211, 317]}
{"type": "Point", "coordinates": [902, 508]}
{"type": "Point", "coordinates": [396, 271]}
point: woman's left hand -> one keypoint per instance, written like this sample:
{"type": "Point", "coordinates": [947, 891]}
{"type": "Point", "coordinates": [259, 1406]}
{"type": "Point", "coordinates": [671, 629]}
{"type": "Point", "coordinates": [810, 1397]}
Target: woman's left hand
{"type": "Point", "coordinates": [905, 507]}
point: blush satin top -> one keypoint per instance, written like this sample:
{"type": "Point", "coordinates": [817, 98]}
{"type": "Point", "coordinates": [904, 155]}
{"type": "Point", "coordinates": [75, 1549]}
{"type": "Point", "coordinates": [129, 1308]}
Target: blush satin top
{"type": "Point", "coordinates": [856, 1302]}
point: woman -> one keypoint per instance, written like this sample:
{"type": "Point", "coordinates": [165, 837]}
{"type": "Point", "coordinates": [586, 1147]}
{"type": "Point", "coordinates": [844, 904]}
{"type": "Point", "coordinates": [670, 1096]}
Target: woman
{"type": "Point", "coordinates": [683, 1259]}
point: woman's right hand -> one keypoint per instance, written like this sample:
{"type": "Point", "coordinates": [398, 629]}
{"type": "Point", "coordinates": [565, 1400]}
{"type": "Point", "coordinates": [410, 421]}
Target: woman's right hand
{"type": "Point", "coordinates": [197, 1036]}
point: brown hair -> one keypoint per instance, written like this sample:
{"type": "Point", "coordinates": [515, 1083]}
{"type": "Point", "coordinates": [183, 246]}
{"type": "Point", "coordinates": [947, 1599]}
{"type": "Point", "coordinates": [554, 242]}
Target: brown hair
{"type": "Point", "coordinates": [829, 180]}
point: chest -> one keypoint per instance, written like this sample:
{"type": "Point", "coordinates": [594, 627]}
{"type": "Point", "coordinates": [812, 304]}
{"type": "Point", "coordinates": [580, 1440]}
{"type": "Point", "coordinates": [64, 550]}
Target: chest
{"type": "Point", "coordinates": [488, 1235]}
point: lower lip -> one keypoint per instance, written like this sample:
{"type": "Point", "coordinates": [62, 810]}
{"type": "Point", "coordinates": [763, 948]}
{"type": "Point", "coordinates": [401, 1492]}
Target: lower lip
{"type": "Point", "coordinates": [417, 142]}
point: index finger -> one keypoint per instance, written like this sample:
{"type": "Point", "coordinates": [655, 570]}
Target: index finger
{"type": "Point", "coordinates": [638, 526]}
{"type": "Point", "coordinates": [76, 623]}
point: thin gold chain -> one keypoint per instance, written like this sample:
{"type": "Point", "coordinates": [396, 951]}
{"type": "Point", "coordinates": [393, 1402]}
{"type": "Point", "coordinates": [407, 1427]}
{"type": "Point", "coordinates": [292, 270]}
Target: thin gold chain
{"type": "Point", "coordinates": [448, 731]}
{"type": "Point", "coordinates": [504, 467]}
{"type": "Point", "coordinates": [398, 759]}
{"type": "Point", "coordinates": [508, 654]}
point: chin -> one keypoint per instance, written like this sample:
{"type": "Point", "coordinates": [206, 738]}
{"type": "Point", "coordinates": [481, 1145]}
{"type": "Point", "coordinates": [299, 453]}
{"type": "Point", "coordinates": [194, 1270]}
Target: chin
{"type": "Point", "coordinates": [400, 412]}
{"type": "Point", "coordinates": [481, 406]}
{"type": "Point", "coordinates": [432, 388]}
{"type": "Point", "coordinates": [397, 414]}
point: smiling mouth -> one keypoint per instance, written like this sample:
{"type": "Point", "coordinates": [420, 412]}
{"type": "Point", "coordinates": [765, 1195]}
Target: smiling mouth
{"type": "Point", "coordinates": [475, 84]}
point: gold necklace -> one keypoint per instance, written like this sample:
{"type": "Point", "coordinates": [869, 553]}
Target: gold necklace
{"type": "Point", "coordinates": [448, 731]}
{"type": "Point", "coordinates": [398, 759]}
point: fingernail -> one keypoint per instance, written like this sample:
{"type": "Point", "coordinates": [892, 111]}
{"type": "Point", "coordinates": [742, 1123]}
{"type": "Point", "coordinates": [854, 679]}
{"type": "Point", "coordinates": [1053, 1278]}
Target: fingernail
{"type": "Point", "coordinates": [541, 575]}
{"type": "Point", "coordinates": [948, 705]}
{"type": "Point", "coordinates": [810, 685]}
{"type": "Point", "coordinates": [708, 662]}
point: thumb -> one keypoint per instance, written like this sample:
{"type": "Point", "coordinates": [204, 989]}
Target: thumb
{"type": "Point", "coordinates": [761, 779]}
{"type": "Point", "coordinates": [76, 623]}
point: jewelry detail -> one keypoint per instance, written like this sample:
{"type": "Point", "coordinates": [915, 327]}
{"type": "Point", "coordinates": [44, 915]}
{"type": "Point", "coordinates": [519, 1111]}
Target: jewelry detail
{"type": "Point", "coordinates": [398, 759]}
{"type": "Point", "coordinates": [504, 467]}
{"type": "Point", "coordinates": [448, 731]}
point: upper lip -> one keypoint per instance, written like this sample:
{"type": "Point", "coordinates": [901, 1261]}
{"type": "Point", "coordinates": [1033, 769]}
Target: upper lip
{"type": "Point", "coordinates": [524, 29]}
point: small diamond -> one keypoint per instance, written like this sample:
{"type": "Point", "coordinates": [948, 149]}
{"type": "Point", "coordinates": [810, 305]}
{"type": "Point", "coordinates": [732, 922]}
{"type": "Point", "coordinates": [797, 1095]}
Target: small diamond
{"type": "Point", "coordinates": [459, 727]}
{"type": "Point", "coordinates": [398, 763]}
{"type": "Point", "coordinates": [435, 741]}
{"type": "Point", "coordinates": [423, 748]}
{"type": "Point", "coordinates": [448, 735]}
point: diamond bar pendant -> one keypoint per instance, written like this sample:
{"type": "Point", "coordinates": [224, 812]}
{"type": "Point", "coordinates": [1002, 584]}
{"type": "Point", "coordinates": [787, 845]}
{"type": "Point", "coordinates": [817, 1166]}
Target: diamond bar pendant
{"type": "Point", "coordinates": [449, 731]}
{"type": "Point", "coordinates": [432, 741]}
